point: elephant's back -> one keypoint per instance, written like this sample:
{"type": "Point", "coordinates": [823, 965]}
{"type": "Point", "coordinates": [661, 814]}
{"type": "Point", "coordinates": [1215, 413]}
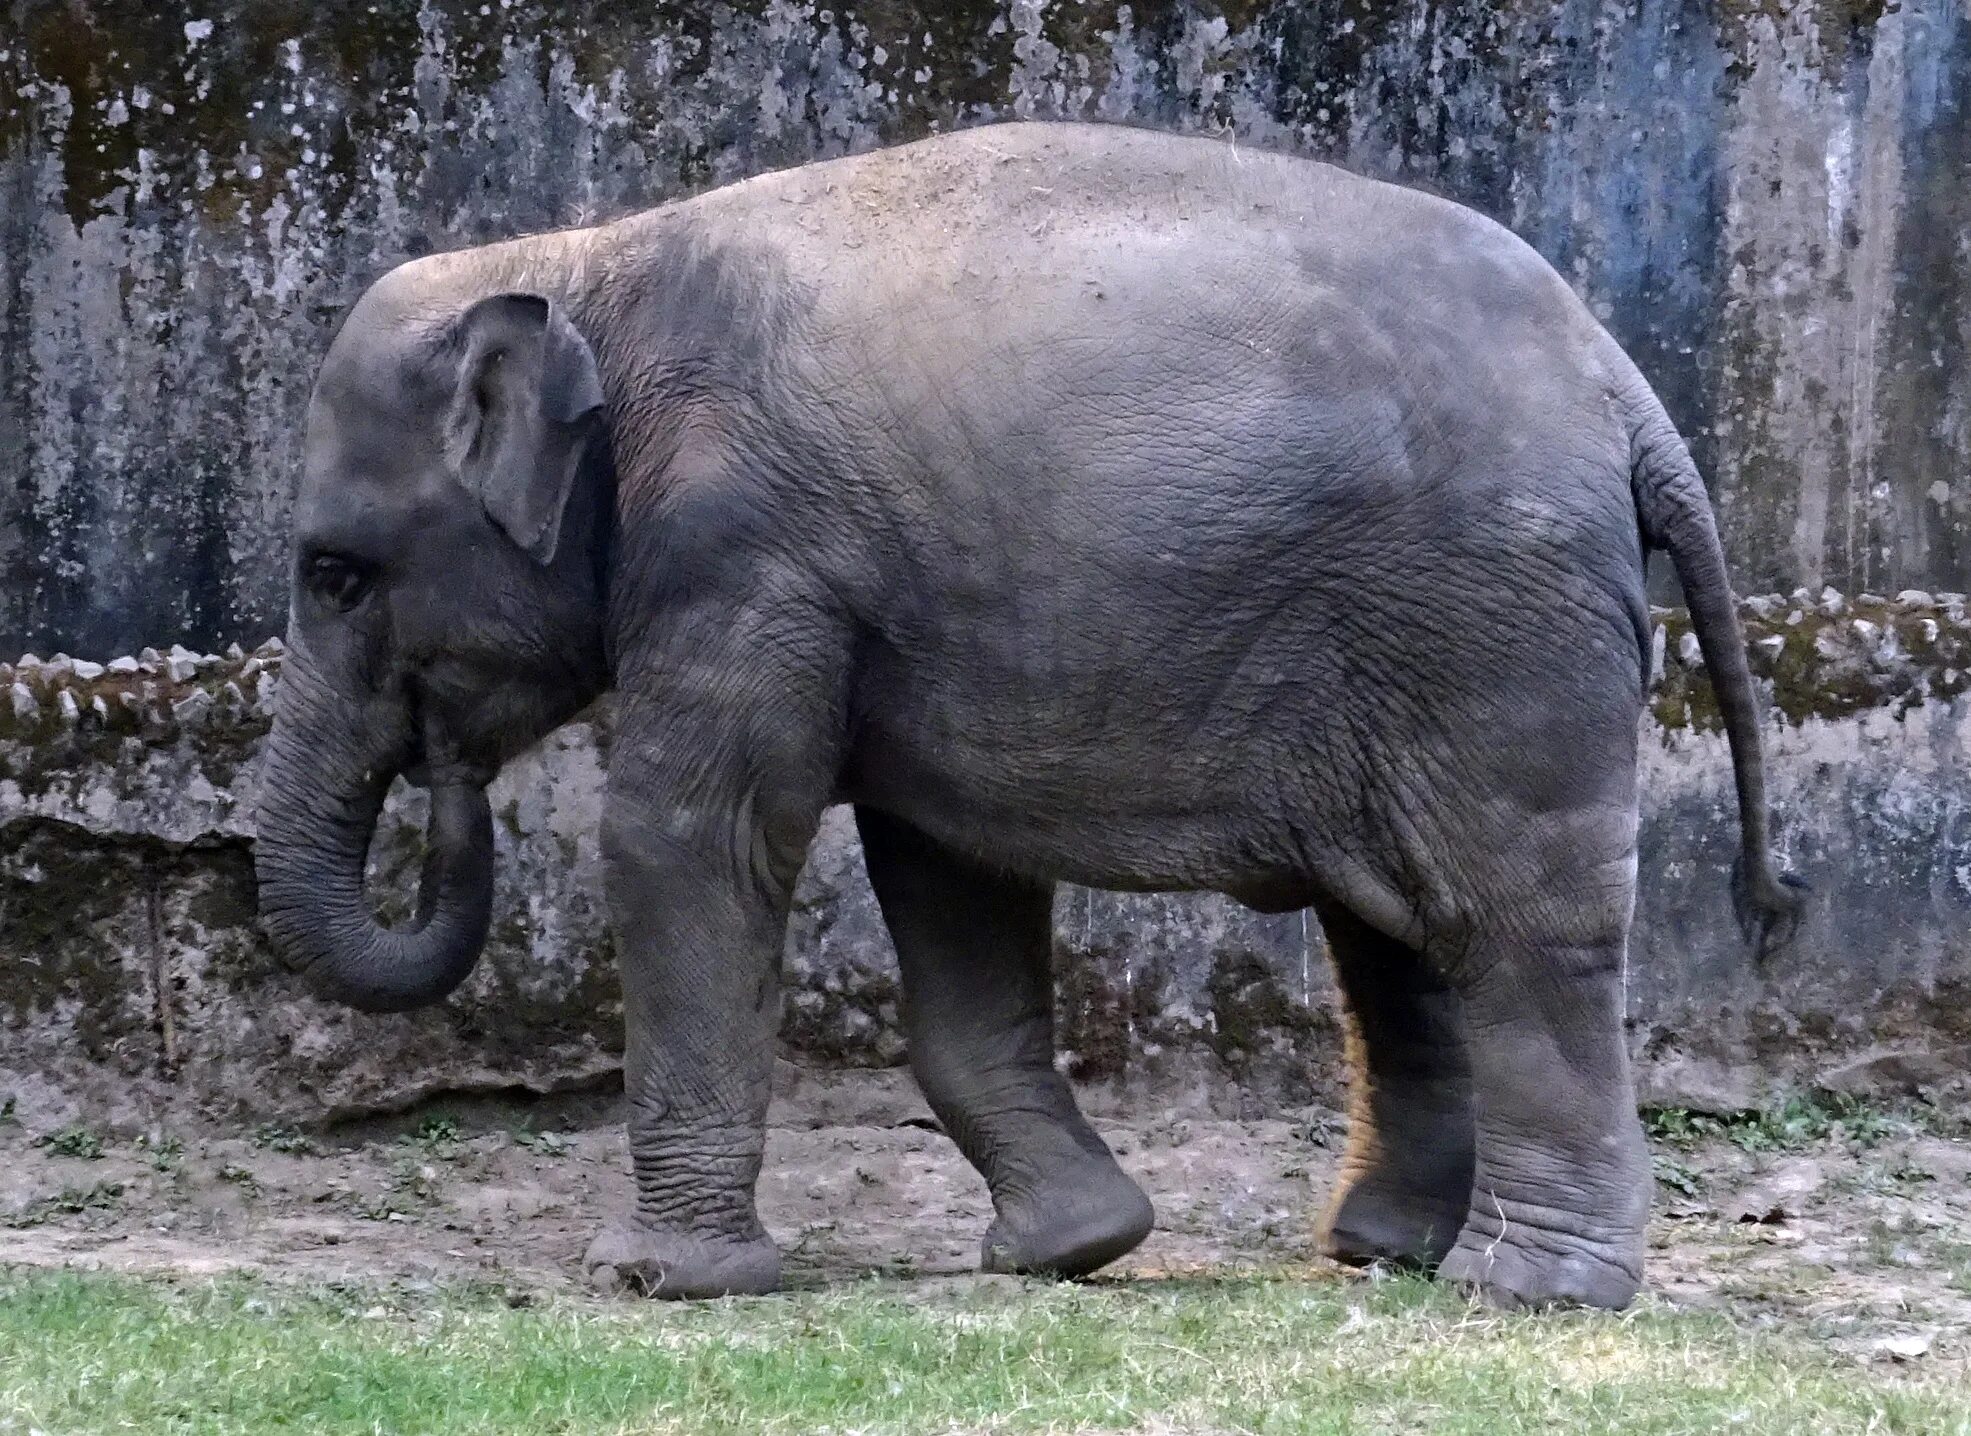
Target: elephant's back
{"type": "Point", "coordinates": [998, 183]}
{"type": "Point", "coordinates": [1127, 256]}
{"type": "Point", "coordinates": [1007, 214]}
{"type": "Point", "coordinates": [1070, 319]}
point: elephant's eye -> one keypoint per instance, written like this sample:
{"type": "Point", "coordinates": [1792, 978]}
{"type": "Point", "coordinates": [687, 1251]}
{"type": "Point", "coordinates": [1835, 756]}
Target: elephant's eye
{"type": "Point", "coordinates": [336, 579]}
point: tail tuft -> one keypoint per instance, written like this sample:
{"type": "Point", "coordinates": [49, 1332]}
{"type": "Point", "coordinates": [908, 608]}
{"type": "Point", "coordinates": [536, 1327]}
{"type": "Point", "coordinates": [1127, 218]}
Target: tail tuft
{"type": "Point", "coordinates": [1768, 905]}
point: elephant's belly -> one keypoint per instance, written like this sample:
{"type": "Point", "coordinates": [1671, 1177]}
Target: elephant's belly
{"type": "Point", "coordinates": [1123, 810]}
{"type": "Point", "coordinates": [1126, 855]}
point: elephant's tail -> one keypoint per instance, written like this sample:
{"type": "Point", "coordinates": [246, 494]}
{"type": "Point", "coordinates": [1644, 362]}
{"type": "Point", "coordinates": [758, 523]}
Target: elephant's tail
{"type": "Point", "coordinates": [1675, 515]}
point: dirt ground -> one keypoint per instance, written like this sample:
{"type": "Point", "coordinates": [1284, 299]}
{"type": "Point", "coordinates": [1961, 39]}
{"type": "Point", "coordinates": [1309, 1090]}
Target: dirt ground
{"type": "Point", "coordinates": [1865, 1236]}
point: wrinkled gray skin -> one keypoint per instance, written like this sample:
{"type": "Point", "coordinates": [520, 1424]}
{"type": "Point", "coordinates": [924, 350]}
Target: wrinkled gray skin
{"type": "Point", "coordinates": [1082, 505]}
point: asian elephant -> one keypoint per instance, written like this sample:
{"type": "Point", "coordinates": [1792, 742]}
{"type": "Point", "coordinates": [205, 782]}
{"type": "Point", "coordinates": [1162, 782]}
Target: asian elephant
{"type": "Point", "coordinates": [1083, 505]}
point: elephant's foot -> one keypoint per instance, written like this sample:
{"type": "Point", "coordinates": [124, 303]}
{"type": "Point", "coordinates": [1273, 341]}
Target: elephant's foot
{"type": "Point", "coordinates": [1374, 1222]}
{"type": "Point", "coordinates": [651, 1262]}
{"type": "Point", "coordinates": [1520, 1267]}
{"type": "Point", "coordinates": [1068, 1225]}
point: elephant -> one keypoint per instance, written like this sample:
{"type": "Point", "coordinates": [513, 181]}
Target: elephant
{"type": "Point", "coordinates": [1081, 504]}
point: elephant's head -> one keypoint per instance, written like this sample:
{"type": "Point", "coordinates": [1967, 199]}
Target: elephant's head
{"type": "Point", "coordinates": [450, 546]}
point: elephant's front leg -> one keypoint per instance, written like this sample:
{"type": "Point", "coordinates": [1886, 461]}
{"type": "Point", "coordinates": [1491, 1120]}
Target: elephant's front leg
{"type": "Point", "coordinates": [975, 950]}
{"type": "Point", "coordinates": [701, 846]}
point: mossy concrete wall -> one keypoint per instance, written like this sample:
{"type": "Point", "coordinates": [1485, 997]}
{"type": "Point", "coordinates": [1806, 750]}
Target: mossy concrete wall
{"type": "Point", "coordinates": [134, 983]}
{"type": "Point", "coordinates": [1765, 198]}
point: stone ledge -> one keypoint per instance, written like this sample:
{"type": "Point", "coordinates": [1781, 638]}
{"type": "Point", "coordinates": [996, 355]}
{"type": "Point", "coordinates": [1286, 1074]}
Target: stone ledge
{"type": "Point", "coordinates": [1821, 655]}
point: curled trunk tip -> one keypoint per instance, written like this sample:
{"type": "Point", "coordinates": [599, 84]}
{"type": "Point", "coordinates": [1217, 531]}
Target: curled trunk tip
{"type": "Point", "coordinates": [314, 837]}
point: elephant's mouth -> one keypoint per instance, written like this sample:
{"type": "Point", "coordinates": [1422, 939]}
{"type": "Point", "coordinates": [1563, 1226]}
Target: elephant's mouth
{"type": "Point", "coordinates": [421, 772]}
{"type": "Point", "coordinates": [436, 755]}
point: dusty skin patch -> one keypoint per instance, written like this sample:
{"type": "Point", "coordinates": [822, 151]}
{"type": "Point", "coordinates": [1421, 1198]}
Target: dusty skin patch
{"type": "Point", "coordinates": [1865, 1243]}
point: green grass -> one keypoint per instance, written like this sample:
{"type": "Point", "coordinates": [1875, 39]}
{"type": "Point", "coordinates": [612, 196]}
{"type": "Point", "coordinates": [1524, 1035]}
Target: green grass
{"type": "Point", "coordinates": [436, 1133]}
{"type": "Point", "coordinates": [1797, 1123]}
{"type": "Point", "coordinates": [68, 1202]}
{"type": "Point", "coordinates": [1956, 1257]}
{"type": "Point", "coordinates": [86, 1353]}
{"type": "Point", "coordinates": [278, 1137]}
{"type": "Point", "coordinates": [75, 1142]}
{"type": "Point", "coordinates": [163, 1150]}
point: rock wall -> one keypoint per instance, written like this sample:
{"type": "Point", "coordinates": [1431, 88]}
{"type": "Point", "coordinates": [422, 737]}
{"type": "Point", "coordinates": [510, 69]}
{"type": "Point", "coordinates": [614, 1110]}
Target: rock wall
{"type": "Point", "coordinates": [135, 984]}
{"type": "Point", "coordinates": [1766, 199]}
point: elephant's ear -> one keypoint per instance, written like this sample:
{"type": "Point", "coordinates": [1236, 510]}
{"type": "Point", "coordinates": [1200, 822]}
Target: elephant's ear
{"type": "Point", "coordinates": [522, 414]}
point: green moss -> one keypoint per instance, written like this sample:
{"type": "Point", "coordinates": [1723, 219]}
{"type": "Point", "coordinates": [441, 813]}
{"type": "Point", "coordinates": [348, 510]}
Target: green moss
{"type": "Point", "coordinates": [1822, 667]}
{"type": "Point", "coordinates": [231, 902]}
{"type": "Point", "coordinates": [1094, 1016]}
{"type": "Point", "coordinates": [78, 916]}
{"type": "Point", "coordinates": [1250, 1009]}
{"type": "Point", "coordinates": [836, 1028]}
{"type": "Point", "coordinates": [510, 820]}
{"type": "Point", "coordinates": [360, 63]}
{"type": "Point", "coordinates": [41, 751]}
{"type": "Point", "coordinates": [221, 920]}
{"type": "Point", "coordinates": [1845, 28]}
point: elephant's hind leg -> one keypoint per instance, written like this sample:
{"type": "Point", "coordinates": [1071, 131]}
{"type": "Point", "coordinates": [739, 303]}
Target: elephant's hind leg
{"type": "Point", "coordinates": [1560, 1193]}
{"type": "Point", "coordinates": [1405, 1179]}
{"type": "Point", "coordinates": [975, 951]}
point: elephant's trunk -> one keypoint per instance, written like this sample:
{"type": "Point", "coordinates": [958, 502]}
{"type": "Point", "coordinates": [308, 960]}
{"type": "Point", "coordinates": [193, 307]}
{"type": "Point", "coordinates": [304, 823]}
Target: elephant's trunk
{"type": "Point", "coordinates": [321, 791]}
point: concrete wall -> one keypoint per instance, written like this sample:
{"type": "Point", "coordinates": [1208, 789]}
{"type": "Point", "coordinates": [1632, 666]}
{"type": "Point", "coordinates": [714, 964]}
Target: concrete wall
{"type": "Point", "coordinates": [136, 985]}
{"type": "Point", "coordinates": [1766, 198]}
